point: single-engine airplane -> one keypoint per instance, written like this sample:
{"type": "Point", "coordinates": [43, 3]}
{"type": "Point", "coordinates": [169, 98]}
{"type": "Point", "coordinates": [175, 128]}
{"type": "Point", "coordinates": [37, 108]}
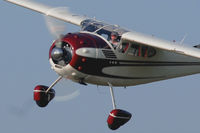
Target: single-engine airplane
{"type": "Point", "coordinates": [108, 55]}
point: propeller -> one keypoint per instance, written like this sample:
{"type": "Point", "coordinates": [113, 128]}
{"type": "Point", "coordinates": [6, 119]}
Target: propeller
{"type": "Point", "coordinates": [65, 90]}
{"type": "Point", "coordinates": [56, 27]}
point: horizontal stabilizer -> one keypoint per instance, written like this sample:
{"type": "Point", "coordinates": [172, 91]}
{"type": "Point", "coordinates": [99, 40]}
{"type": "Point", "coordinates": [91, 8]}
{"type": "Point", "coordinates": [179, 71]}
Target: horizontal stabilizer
{"type": "Point", "coordinates": [197, 46]}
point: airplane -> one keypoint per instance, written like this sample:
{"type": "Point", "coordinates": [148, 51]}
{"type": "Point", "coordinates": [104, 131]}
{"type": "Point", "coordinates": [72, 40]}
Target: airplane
{"type": "Point", "coordinates": [109, 55]}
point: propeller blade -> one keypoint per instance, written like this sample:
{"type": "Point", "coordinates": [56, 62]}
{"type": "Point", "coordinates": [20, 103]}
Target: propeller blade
{"type": "Point", "coordinates": [67, 97]}
{"type": "Point", "coordinates": [56, 27]}
{"type": "Point", "coordinates": [66, 90]}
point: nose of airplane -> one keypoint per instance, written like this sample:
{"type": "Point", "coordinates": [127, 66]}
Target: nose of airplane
{"type": "Point", "coordinates": [57, 54]}
{"type": "Point", "coordinates": [61, 53]}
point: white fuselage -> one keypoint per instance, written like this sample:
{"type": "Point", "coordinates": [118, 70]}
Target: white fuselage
{"type": "Point", "coordinates": [129, 70]}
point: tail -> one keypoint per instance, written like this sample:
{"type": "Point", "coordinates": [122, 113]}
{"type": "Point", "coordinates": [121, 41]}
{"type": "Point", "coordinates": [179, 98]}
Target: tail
{"type": "Point", "coordinates": [197, 46]}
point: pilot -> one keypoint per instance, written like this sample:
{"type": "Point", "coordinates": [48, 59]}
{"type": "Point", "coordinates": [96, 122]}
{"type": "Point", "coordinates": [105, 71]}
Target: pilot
{"type": "Point", "coordinates": [114, 39]}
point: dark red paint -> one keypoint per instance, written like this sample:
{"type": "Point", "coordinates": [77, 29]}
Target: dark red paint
{"type": "Point", "coordinates": [41, 97]}
{"type": "Point", "coordinates": [117, 118]}
{"type": "Point", "coordinates": [81, 40]}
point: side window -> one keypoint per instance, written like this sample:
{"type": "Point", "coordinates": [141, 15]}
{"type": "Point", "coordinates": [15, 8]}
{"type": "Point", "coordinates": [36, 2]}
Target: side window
{"type": "Point", "coordinates": [145, 51]}
{"type": "Point", "coordinates": [123, 47]}
{"type": "Point", "coordinates": [151, 52]}
{"type": "Point", "coordinates": [141, 50]}
{"type": "Point", "coordinates": [134, 50]}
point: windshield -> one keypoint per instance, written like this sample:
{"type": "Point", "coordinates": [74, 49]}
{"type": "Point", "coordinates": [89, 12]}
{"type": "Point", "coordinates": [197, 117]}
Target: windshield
{"type": "Point", "coordinates": [102, 28]}
{"type": "Point", "coordinates": [91, 25]}
{"type": "Point", "coordinates": [105, 30]}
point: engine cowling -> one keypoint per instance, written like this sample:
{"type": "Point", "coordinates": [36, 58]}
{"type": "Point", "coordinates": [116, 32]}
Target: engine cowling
{"type": "Point", "coordinates": [41, 97]}
{"type": "Point", "coordinates": [117, 118]}
{"type": "Point", "coordinates": [64, 50]}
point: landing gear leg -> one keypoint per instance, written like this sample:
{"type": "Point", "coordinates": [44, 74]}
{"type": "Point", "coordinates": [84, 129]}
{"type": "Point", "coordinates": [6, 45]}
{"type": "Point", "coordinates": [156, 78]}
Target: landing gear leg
{"type": "Point", "coordinates": [44, 94]}
{"type": "Point", "coordinates": [112, 96]}
{"type": "Point", "coordinates": [117, 117]}
{"type": "Point", "coordinates": [54, 83]}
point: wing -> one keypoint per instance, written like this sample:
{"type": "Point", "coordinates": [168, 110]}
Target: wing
{"type": "Point", "coordinates": [126, 36]}
{"type": "Point", "coordinates": [135, 37]}
{"type": "Point", "coordinates": [49, 11]}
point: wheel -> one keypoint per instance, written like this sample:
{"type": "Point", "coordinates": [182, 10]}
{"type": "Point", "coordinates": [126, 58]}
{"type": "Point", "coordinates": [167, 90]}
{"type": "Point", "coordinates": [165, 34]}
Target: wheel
{"type": "Point", "coordinates": [41, 97]}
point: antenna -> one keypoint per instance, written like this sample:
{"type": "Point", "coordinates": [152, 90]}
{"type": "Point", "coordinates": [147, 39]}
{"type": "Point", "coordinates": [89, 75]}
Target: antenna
{"type": "Point", "coordinates": [181, 42]}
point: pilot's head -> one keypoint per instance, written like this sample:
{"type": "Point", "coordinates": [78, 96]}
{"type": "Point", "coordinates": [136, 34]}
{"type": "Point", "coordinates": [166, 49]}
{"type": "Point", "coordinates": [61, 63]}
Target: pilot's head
{"type": "Point", "coordinates": [114, 36]}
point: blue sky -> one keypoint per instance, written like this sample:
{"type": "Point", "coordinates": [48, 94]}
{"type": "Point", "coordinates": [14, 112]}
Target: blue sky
{"type": "Point", "coordinates": [166, 106]}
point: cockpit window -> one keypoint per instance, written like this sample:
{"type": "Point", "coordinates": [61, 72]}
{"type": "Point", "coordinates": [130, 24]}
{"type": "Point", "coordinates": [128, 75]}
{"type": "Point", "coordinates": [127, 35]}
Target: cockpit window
{"type": "Point", "coordinates": [103, 29]}
{"type": "Point", "coordinates": [91, 25]}
{"type": "Point", "coordinates": [91, 28]}
{"type": "Point", "coordinates": [104, 33]}
{"type": "Point", "coordinates": [106, 36]}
